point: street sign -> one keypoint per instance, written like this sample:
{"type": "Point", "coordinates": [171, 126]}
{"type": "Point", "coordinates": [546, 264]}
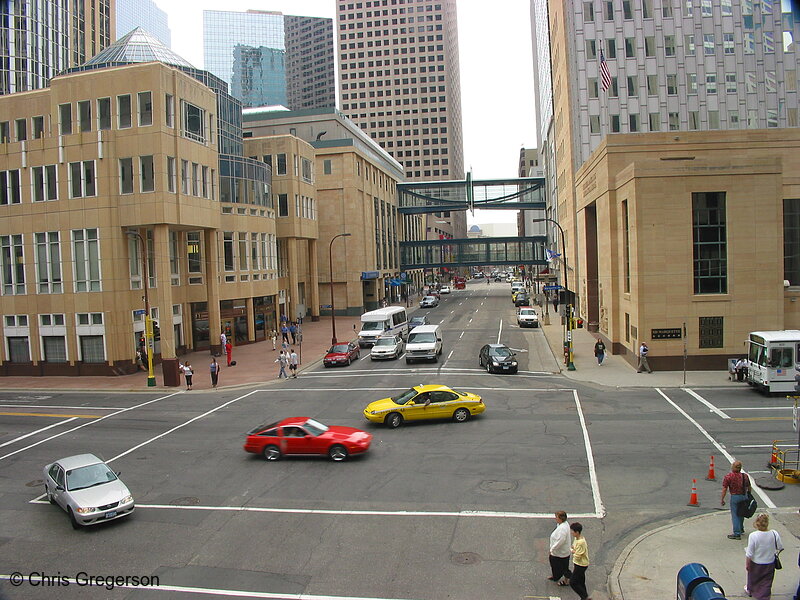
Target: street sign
{"type": "Point", "coordinates": [552, 287]}
{"type": "Point", "coordinates": [140, 312]}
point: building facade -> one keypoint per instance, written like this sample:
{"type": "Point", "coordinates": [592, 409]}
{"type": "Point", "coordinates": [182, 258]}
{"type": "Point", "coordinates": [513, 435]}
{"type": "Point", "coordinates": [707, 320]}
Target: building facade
{"type": "Point", "coordinates": [400, 82]}
{"type": "Point", "coordinates": [271, 59]}
{"type": "Point", "coordinates": [145, 14]}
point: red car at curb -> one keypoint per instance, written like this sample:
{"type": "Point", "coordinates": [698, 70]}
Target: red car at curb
{"type": "Point", "coordinates": [302, 435]}
{"type": "Point", "coordinates": [342, 353]}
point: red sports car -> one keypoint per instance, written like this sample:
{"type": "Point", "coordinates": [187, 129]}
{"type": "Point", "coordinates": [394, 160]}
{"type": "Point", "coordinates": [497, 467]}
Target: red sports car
{"type": "Point", "coordinates": [342, 354]}
{"type": "Point", "coordinates": [301, 435]}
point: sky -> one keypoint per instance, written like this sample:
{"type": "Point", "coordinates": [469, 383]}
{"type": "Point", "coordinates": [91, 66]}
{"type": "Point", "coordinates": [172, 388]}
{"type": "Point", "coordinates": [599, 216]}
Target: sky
{"type": "Point", "coordinates": [497, 101]}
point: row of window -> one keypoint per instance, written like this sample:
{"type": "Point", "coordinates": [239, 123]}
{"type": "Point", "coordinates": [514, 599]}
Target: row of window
{"type": "Point", "coordinates": [377, 33]}
{"type": "Point", "coordinates": [89, 333]}
{"type": "Point", "coordinates": [378, 43]}
{"type": "Point", "coordinates": [608, 9]}
{"type": "Point", "coordinates": [377, 3]}
{"type": "Point", "coordinates": [752, 85]}
{"type": "Point", "coordinates": [303, 167]}
{"type": "Point", "coordinates": [654, 121]}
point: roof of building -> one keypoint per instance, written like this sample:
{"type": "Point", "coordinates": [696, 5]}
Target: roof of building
{"type": "Point", "coordinates": [138, 46]}
{"type": "Point", "coordinates": [475, 228]}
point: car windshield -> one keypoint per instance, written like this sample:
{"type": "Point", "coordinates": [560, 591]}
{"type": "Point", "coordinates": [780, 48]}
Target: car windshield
{"type": "Point", "coordinates": [372, 326]}
{"type": "Point", "coordinates": [386, 342]}
{"type": "Point", "coordinates": [405, 396]}
{"type": "Point", "coordinates": [421, 338]}
{"type": "Point", "coordinates": [315, 427]}
{"type": "Point", "coordinates": [428, 299]}
{"type": "Point", "coordinates": [89, 476]}
{"type": "Point", "coordinates": [338, 349]}
{"type": "Point", "coordinates": [527, 311]}
{"type": "Point", "coordinates": [417, 321]}
{"type": "Point", "coordinates": [262, 427]}
{"type": "Point", "coordinates": [500, 352]}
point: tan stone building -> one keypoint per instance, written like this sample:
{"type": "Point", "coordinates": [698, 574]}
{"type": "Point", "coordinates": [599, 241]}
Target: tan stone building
{"type": "Point", "coordinates": [689, 229]}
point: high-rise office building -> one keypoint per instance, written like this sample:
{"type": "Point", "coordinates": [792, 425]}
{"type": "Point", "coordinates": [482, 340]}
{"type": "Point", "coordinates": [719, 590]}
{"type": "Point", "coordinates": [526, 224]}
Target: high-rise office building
{"type": "Point", "coordinates": [145, 14]}
{"type": "Point", "coordinates": [39, 39]}
{"type": "Point", "coordinates": [399, 81]}
{"type": "Point", "coordinates": [269, 58]}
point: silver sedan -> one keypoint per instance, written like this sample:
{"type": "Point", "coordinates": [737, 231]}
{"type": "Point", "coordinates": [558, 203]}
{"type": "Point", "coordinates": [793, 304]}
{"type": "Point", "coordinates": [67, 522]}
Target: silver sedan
{"type": "Point", "coordinates": [87, 489]}
{"type": "Point", "coordinates": [387, 346]}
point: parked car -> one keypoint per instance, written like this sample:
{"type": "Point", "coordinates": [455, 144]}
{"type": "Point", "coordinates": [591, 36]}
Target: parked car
{"type": "Point", "coordinates": [423, 402]}
{"type": "Point", "coordinates": [87, 489]}
{"type": "Point", "coordinates": [498, 358]}
{"type": "Point", "coordinates": [429, 302]}
{"type": "Point", "coordinates": [527, 317]}
{"type": "Point", "coordinates": [342, 354]}
{"type": "Point", "coordinates": [522, 299]}
{"type": "Point", "coordinates": [416, 321]}
{"type": "Point", "coordinates": [301, 435]}
{"type": "Point", "coordinates": [387, 346]}
{"type": "Point", "coordinates": [445, 289]}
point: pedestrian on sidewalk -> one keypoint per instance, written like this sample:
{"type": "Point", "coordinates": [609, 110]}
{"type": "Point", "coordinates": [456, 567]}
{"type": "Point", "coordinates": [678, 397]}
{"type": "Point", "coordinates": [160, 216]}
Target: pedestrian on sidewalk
{"type": "Point", "coordinates": [223, 340]}
{"type": "Point", "coordinates": [580, 562]}
{"type": "Point", "coordinates": [214, 372]}
{"type": "Point", "coordinates": [293, 332]}
{"type": "Point", "coordinates": [643, 364]}
{"type": "Point", "coordinates": [763, 547]}
{"type": "Point", "coordinates": [299, 318]}
{"type": "Point", "coordinates": [285, 333]}
{"type": "Point", "coordinates": [560, 550]}
{"type": "Point", "coordinates": [273, 336]}
{"type": "Point", "coordinates": [282, 361]}
{"type": "Point", "coordinates": [738, 484]}
{"type": "Point", "coordinates": [142, 355]}
{"type": "Point", "coordinates": [229, 351]}
{"type": "Point", "coordinates": [188, 372]}
{"type": "Point", "coordinates": [293, 362]}
{"type": "Point", "coordinates": [599, 351]}
{"type": "Point", "coordinates": [555, 302]}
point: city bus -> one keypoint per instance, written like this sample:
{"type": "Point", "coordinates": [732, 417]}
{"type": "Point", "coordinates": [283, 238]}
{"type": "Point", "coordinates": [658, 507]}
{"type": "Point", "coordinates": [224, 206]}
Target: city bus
{"type": "Point", "coordinates": [771, 360]}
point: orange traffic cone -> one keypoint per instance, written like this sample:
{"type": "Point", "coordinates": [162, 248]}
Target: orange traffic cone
{"type": "Point", "coordinates": [693, 498]}
{"type": "Point", "coordinates": [711, 475]}
{"type": "Point", "coordinates": [773, 460]}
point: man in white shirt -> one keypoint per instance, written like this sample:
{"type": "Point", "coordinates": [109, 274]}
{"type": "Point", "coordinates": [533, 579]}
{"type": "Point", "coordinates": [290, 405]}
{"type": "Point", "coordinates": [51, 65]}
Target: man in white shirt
{"type": "Point", "coordinates": [643, 364]}
{"type": "Point", "coordinates": [293, 362]}
{"type": "Point", "coordinates": [560, 545]}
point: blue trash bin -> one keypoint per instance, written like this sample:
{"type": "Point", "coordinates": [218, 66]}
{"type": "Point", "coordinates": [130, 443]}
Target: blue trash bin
{"type": "Point", "coordinates": [707, 590]}
{"type": "Point", "coordinates": [689, 577]}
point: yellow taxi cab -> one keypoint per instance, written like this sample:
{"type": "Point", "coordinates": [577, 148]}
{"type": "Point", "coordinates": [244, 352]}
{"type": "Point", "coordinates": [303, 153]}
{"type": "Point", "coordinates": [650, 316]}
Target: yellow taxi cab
{"type": "Point", "coordinates": [424, 402]}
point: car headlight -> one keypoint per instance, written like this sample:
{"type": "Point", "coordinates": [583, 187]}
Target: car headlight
{"type": "Point", "coordinates": [127, 499]}
{"type": "Point", "coordinates": [373, 412]}
{"type": "Point", "coordinates": [85, 511]}
{"type": "Point", "coordinates": [495, 364]}
{"type": "Point", "coordinates": [513, 363]}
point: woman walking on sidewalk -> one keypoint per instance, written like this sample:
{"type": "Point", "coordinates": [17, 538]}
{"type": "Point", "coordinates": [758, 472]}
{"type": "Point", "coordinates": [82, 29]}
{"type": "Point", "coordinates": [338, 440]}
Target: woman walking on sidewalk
{"type": "Point", "coordinates": [580, 562]}
{"type": "Point", "coordinates": [214, 372]}
{"type": "Point", "coordinates": [188, 372]}
{"type": "Point", "coordinates": [763, 546]}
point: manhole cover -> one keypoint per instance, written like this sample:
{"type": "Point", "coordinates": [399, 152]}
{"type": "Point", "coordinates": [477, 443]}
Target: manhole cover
{"type": "Point", "coordinates": [466, 558]}
{"type": "Point", "coordinates": [186, 501]}
{"type": "Point", "coordinates": [498, 486]}
{"type": "Point", "coordinates": [767, 482]}
{"type": "Point", "coordinates": [35, 483]}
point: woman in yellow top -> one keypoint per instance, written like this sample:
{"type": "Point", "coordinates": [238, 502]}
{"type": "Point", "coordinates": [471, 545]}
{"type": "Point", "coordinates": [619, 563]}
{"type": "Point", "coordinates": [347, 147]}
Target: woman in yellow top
{"type": "Point", "coordinates": [580, 560]}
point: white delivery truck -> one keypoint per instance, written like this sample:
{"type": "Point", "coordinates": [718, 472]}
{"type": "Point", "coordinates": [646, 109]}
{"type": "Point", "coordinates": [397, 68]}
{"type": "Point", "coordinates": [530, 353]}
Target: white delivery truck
{"type": "Point", "coordinates": [771, 360]}
{"type": "Point", "coordinates": [391, 320]}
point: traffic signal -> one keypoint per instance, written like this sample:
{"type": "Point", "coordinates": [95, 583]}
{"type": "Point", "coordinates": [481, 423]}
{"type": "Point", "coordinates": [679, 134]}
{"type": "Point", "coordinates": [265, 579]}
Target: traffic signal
{"type": "Point", "coordinates": [156, 331]}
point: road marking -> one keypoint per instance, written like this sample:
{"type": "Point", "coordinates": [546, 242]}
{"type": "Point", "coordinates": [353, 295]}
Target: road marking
{"type": "Point", "coordinates": [598, 503]}
{"type": "Point", "coordinates": [449, 355]}
{"type": "Point", "coordinates": [57, 406]}
{"type": "Point", "coordinates": [366, 356]}
{"type": "Point", "coordinates": [442, 321]}
{"type": "Point", "coordinates": [470, 319]}
{"type": "Point", "coordinates": [206, 591]}
{"type": "Point", "coordinates": [761, 419]}
{"type": "Point", "coordinates": [461, 336]}
{"type": "Point", "coordinates": [108, 416]}
{"type": "Point", "coordinates": [765, 445]}
{"type": "Point", "coordinates": [452, 311]}
{"type": "Point", "coordinates": [500, 332]}
{"type": "Point", "coordinates": [717, 445]}
{"type": "Point", "coordinates": [27, 435]}
{"type": "Point", "coordinates": [759, 408]}
{"type": "Point", "coordinates": [708, 404]}
{"type": "Point", "coordinates": [27, 414]}
{"type": "Point", "coordinates": [430, 371]}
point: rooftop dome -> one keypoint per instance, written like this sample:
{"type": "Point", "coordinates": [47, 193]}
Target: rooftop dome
{"type": "Point", "coordinates": [138, 46]}
{"type": "Point", "coordinates": [474, 229]}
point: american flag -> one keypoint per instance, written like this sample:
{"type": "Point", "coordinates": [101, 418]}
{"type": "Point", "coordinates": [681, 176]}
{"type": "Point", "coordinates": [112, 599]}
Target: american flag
{"type": "Point", "coordinates": [605, 74]}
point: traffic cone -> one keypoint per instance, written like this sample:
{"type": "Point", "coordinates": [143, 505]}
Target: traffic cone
{"type": "Point", "coordinates": [773, 459]}
{"type": "Point", "coordinates": [711, 475]}
{"type": "Point", "coordinates": [693, 498]}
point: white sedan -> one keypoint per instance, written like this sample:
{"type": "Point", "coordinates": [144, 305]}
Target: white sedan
{"type": "Point", "coordinates": [445, 289]}
{"type": "Point", "coordinates": [387, 346]}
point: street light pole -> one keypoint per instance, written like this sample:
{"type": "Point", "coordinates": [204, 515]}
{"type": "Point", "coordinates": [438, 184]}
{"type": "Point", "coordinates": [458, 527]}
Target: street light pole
{"type": "Point", "coordinates": [333, 307]}
{"type": "Point", "coordinates": [148, 322]}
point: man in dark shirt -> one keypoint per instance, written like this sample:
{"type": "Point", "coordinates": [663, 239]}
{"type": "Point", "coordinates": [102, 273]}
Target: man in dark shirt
{"type": "Point", "coordinates": [738, 484]}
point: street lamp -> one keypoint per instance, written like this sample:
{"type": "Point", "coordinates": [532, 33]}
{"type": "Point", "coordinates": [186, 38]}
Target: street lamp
{"type": "Point", "coordinates": [148, 322]}
{"type": "Point", "coordinates": [333, 308]}
{"type": "Point", "coordinates": [569, 307]}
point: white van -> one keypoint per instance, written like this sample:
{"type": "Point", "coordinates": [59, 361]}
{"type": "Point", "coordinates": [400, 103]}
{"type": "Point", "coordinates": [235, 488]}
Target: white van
{"type": "Point", "coordinates": [391, 320]}
{"type": "Point", "coordinates": [424, 343]}
{"type": "Point", "coordinates": [771, 360]}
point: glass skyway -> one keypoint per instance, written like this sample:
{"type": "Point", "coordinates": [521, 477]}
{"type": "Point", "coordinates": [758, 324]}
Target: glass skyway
{"type": "Point", "coordinates": [524, 193]}
{"type": "Point", "coordinates": [473, 252]}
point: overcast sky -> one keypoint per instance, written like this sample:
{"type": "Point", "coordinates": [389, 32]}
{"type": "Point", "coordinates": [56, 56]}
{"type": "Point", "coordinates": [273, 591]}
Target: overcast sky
{"type": "Point", "coordinates": [496, 74]}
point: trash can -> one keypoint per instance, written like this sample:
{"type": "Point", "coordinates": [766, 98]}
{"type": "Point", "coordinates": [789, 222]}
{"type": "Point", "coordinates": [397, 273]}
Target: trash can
{"type": "Point", "coordinates": [171, 370]}
{"type": "Point", "coordinates": [707, 590]}
{"type": "Point", "coordinates": [689, 577]}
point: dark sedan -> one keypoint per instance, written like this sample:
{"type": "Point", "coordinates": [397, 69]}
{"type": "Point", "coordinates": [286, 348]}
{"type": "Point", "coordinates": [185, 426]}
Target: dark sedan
{"type": "Point", "coordinates": [341, 354]}
{"type": "Point", "coordinates": [522, 299]}
{"type": "Point", "coordinates": [498, 358]}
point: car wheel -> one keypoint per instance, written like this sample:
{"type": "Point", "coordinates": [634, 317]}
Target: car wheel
{"type": "Point", "coordinates": [347, 364]}
{"type": "Point", "coordinates": [271, 452]}
{"type": "Point", "coordinates": [73, 521]}
{"type": "Point", "coordinates": [488, 368]}
{"type": "Point", "coordinates": [337, 453]}
{"type": "Point", "coordinates": [461, 415]}
{"type": "Point", "coordinates": [394, 420]}
{"type": "Point", "coordinates": [435, 358]}
{"type": "Point", "coordinates": [50, 498]}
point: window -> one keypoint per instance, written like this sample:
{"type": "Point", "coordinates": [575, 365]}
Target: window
{"type": "Point", "coordinates": [633, 86]}
{"type": "Point", "coordinates": [588, 12]}
{"type": "Point", "coordinates": [790, 80]}
{"type": "Point", "coordinates": [205, 181]}
{"type": "Point", "coordinates": [710, 243]}
{"type": "Point", "coordinates": [750, 82]}
{"type": "Point", "coordinates": [185, 176]}
{"type": "Point", "coordinates": [770, 82]}
{"type": "Point", "coordinates": [243, 251]}
{"type": "Point", "coordinates": [654, 121]}
{"type": "Point", "coordinates": [791, 240]}
{"type": "Point", "coordinates": [5, 132]}
{"type": "Point", "coordinates": [688, 45]}
{"type": "Point", "coordinates": [18, 349]}
{"type": "Point", "coordinates": [627, 13]}
{"type": "Point", "coordinates": [594, 123]}
{"type": "Point", "coordinates": [134, 262]}
{"type": "Point", "coordinates": [609, 12]}
{"type": "Point", "coordinates": [227, 250]}
{"type": "Point", "coordinates": [125, 175]}
{"type": "Point", "coordinates": [254, 261]}
{"type": "Point", "coordinates": [591, 49]}
{"type": "Point", "coordinates": [694, 119]}
{"type": "Point", "coordinates": [195, 179]}
{"type": "Point", "coordinates": [611, 48]}
{"type": "Point", "coordinates": [13, 264]}
{"type": "Point", "coordinates": [711, 332]}
{"type": "Point", "coordinates": [283, 205]}
{"type": "Point", "coordinates": [669, 45]}
{"type": "Point", "coordinates": [45, 184]}
{"type": "Point", "coordinates": [772, 118]}
{"type": "Point", "coordinates": [91, 347]}
{"type": "Point", "coordinates": [649, 46]}
{"type": "Point", "coordinates": [615, 126]}
{"type": "Point", "coordinates": [38, 127]}
{"type": "Point", "coordinates": [193, 252]}
{"type": "Point", "coordinates": [327, 167]}
{"type": "Point", "coordinates": [22, 130]}
{"type": "Point", "coordinates": [10, 189]}
{"type": "Point", "coordinates": [672, 85]}
{"type": "Point", "coordinates": [688, 9]}
{"type": "Point", "coordinates": [281, 164]}
{"type": "Point", "coordinates": [769, 42]}
{"type": "Point", "coordinates": [711, 83]}
{"type": "Point", "coordinates": [626, 242]}
{"type": "Point", "coordinates": [713, 119]}
{"type": "Point", "coordinates": [630, 47]}
{"type": "Point", "coordinates": [104, 113]}
{"type": "Point", "coordinates": [691, 83]}
{"type": "Point", "coordinates": [171, 174]}
{"type": "Point", "coordinates": [730, 83]}
{"type": "Point", "coordinates": [647, 9]}
{"type": "Point", "coordinates": [593, 87]}
{"type": "Point", "coordinates": [666, 8]}
{"type": "Point", "coordinates": [65, 119]}
{"type": "Point", "coordinates": [652, 85]}
{"type": "Point", "coordinates": [146, 173]}
{"type": "Point", "coordinates": [633, 123]}
{"type": "Point", "coordinates": [728, 44]}
{"type": "Point", "coordinates": [145, 108]}
{"type": "Point", "coordinates": [708, 44]}
{"type": "Point", "coordinates": [674, 121]}
{"type": "Point", "coordinates": [124, 111]}
{"type": "Point", "coordinates": [193, 122]}
{"type": "Point", "coordinates": [307, 171]}
{"type": "Point", "coordinates": [85, 115]}
{"type": "Point", "coordinates": [169, 110]}
{"type": "Point", "coordinates": [733, 119]}
{"type": "Point", "coordinates": [749, 42]}
{"type": "Point", "coordinates": [53, 336]}
{"type": "Point", "coordinates": [86, 259]}
{"type": "Point", "coordinates": [613, 90]}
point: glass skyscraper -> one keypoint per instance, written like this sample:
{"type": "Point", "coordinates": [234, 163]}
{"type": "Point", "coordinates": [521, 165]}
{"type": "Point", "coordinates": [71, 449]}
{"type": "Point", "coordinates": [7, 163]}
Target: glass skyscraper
{"type": "Point", "coordinates": [145, 14]}
{"type": "Point", "coordinates": [269, 58]}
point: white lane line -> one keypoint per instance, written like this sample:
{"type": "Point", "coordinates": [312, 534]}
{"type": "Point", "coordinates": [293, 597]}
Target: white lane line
{"type": "Point", "coordinates": [758, 408]}
{"type": "Point", "coordinates": [38, 579]}
{"type": "Point", "coordinates": [766, 446]}
{"type": "Point", "coordinates": [108, 416]}
{"type": "Point", "coordinates": [765, 499]}
{"type": "Point", "coordinates": [366, 356]}
{"type": "Point", "coordinates": [461, 336]}
{"type": "Point", "coordinates": [500, 332]}
{"type": "Point", "coordinates": [452, 371]}
{"type": "Point", "coordinates": [442, 321]}
{"type": "Point", "coordinates": [400, 387]}
{"type": "Point", "coordinates": [22, 437]}
{"type": "Point", "coordinates": [470, 319]}
{"type": "Point", "coordinates": [452, 311]}
{"type": "Point", "coordinates": [84, 407]}
{"type": "Point", "coordinates": [449, 355]}
{"type": "Point", "coordinates": [599, 510]}
{"type": "Point", "coordinates": [460, 303]}
{"type": "Point", "coordinates": [708, 404]}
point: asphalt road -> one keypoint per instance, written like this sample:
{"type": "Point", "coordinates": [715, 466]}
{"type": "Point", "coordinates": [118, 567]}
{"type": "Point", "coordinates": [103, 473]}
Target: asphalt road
{"type": "Point", "coordinates": [433, 511]}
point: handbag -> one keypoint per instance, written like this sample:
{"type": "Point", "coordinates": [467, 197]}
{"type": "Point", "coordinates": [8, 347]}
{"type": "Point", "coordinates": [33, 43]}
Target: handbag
{"type": "Point", "coordinates": [749, 507]}
{"type": "Point", "coordinates": [778, 564]}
